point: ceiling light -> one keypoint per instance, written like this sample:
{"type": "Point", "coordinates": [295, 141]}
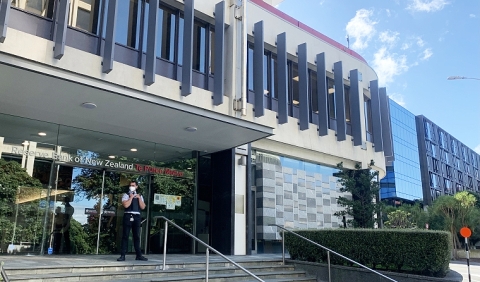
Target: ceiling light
{"type": "Point", "coordinates": [133, 150]}
{"type": "Point", "coordinates": [295, 102]}
{"type": "Point", "coordinates": [88, 105]}
{"type": "Point", "coordinates": [265, 91]}
{"type": "Point", "coordinates": [111, 157]}
{"type": "Point", "coordinates": [25, 143]}
{"type": "Point", "coordinates": [42, 134]}
{"type": "Point", "coordinates": [296, 78]}
{"type": "Point", "coordinates": [331, 90]}
{"type": "Point", "coordinates": [190, 129]}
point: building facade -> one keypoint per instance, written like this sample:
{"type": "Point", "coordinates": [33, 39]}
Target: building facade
{"type": "Point", "coordinates": [403, 179]}
{"type": "Point", "coordinates": [230, 121]}
{"type": "Point", "coordinates": [429, 162]}
{"type": "Point", "coordinates": [448, 165]}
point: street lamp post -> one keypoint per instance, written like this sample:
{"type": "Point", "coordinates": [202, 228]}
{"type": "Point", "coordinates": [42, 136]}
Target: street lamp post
{"type": "Point", "coordinates": [455, 77]}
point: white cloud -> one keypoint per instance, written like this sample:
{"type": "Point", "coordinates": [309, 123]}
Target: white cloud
{"type": "Point", "coordinates": [398, 98]}
{"type": "Point", "coordinates": [477, 149]}
{"type": "Point", "coordinates": [427, 53]}
{"type": "Point", "coordinates": [420, 41]}
{"type": "Point", "coordinates": [473, 16]}
{"type": "Point", "coordinates": [405, 46]}
{"type": "Point", "coordinates": [388, 37]}
{"type": "Point", "coordinates": [388, 65]}
{"type": "Point", "coordinates": [427, 5]}
{"type": "Point", "coordinates": [361, 28]}
{"type": "Point", "coordinates": [388, 13]}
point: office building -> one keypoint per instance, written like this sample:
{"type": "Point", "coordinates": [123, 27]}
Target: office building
{"type": "Point", "coordinates": [230, 121]}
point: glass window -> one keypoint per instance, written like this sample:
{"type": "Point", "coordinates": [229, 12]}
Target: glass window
{"type": "Point", "coordinates": [85, 15]}
{"type": "Point", "coordinates": [199, 46]}
{"type": "Point", "coordinates": [128, 23]}
{"type": "Point", "coordinates": [212, 52]}
{"type": "Point", "coordinates": [331, 98]}
{"type": "Point", "coordinates": [42, 8]}
{"type": "Point", "coordinates": [313, 91]}
{"type": "Point", "coordinates": [266, 67]}
{"type": "Point", "coordinates": [428, 131]}
{"type": "Point", "coordinates": [165, 46]}
{"type": "Point", "coordinates": [180, 40]}
{"type": "Point", "coordinates": [347, 103]}
{"type": "Point", "coordinates": [250, 67]}
{"type": "Point", "coordinates": [368, 114]}
{"type": "Point", "coordinates": [294, 83]}
{"type": "Point", "coordinates": [274, 76]}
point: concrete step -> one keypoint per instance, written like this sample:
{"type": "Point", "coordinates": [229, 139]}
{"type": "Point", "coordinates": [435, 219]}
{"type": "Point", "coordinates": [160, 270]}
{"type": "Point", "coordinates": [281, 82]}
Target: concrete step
{"type": "Point", "coordinates": [140, 266]}
{"type": "Point", "coordinates": [222, 273]}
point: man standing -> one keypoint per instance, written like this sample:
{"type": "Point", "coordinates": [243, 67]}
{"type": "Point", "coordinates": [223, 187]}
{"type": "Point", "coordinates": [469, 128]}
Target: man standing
{"type": "Point", "coordinates": [69, 211]}
{"type": "Point", "coordinates": [133, 203]}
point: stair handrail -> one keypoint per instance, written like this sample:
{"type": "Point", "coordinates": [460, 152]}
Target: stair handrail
{"type": "Point", "coordinates": [2, 271]}
{"type": "Point", "coordinates": [201, 242]}
{"type": "Point", "coordinates": [328, 253]}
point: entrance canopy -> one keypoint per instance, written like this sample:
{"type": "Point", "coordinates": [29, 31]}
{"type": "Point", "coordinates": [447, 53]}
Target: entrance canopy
{"type": "Point", "coordinates": [179, 127]}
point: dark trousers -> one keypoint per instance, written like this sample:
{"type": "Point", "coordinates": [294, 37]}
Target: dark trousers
{"type": "Point", "coordinates": [135, 227]}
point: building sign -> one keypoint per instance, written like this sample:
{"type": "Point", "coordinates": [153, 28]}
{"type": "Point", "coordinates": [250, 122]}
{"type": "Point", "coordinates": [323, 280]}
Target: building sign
{"type": "Point", "coordinates": [99, 163]}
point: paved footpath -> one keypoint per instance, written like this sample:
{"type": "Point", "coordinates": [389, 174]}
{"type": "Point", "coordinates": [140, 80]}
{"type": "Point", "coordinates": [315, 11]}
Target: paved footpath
{"type": "Point", "coordinates": [460, 266]}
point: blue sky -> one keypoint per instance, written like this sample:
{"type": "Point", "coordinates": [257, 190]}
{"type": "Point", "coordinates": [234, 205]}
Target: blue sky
{"type": "Point", "coordinates": [413, 45]}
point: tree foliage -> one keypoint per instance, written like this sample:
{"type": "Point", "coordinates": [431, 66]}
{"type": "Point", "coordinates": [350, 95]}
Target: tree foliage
{"type": "Point", "coordinates": [362, 185]}
{"type": "Point", "coordinates": [23, 217]}
{"type": "Point", "coordinates": [400, 219]}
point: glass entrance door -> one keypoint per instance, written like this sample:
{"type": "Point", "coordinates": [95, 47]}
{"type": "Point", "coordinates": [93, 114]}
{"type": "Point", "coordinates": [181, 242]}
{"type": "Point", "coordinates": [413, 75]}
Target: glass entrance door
{"type": "Point", "coordinates": [86, 210]}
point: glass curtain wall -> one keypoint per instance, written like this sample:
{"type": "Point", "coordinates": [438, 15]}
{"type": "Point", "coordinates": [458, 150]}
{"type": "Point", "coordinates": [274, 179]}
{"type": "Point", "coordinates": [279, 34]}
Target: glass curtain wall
{"type": "Point", "coordinates": [62, 189]}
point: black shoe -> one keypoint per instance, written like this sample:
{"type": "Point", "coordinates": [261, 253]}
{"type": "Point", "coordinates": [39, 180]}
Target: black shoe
{"type": "Point", "coordinates": [121, 258]}
{"type": "Point", "coordinates": [141, 258]}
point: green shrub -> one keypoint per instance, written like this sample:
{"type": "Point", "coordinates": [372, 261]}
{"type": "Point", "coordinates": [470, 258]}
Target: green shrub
{"type": "Point", "coordinates": [411, 251]}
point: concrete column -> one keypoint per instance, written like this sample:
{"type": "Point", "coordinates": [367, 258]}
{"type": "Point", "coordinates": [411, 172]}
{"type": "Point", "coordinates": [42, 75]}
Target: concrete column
{"type": "Point", "coordinates": [240, 235]}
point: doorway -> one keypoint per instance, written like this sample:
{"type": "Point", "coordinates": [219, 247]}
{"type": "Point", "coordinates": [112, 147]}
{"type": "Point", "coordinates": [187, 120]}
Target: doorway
{"type": "Point", "coordinates": [85, 212]}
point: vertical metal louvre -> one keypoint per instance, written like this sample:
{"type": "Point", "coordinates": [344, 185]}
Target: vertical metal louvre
{"type": "Point", "coordinates": [376, 116]}
{"type": "Point", "coordinates": [4, 13]}
{"type": "Point", "coordinates": [340, 102]}
{"type": "Point", "coordinates": [303, 86]}
{"type": "Point", "coordinates": [151, 56]}
{"type": "Point", "coordinates": [258, 67]}
{"type": "Point", "coordinates": [282, 78]}
{"type": "Point", "coordinates": [60, 30]}
{"type": "Point", "coordinates": [322, 95]}
{"type": "Point", "coordinates": [386, 124]}
{"type": "Point", "coordinates": [187, 48]}
{"type": "Point", "coordinates": [219, 62]}
{"type": "Point", "coordinates": [108, 50]}
{"type": "Point", "coordinates": [355, 105]}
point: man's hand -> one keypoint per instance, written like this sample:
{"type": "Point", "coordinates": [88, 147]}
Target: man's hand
{"type": "Point", "coordinates": [132, 195]}
{"type": "Point", "coordinates": [137, 196]}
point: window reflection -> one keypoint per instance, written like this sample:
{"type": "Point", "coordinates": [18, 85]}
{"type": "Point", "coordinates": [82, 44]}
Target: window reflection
{"type": "Point", "coordinates": [313, 91]}
{"type": "Point", "coordinates": [294, 89]}
{"type": "Point", "coordinates": [85, 15]}
{"type": "Point", "coordinates": [347, 103]}
{"type": "Point", "coordinates": [42, 8]}
{"type": "Point", "coordinates": [165, 45]}
{"type": "Point", "coordinates": [128, 23]}
{"type": "Point", "coordinates": [331, 98]}
{"type": "Point", "coordinates": [199, 46]}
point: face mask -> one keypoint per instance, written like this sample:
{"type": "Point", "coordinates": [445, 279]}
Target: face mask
{"type": "Point", "coordinates": [132, 188]}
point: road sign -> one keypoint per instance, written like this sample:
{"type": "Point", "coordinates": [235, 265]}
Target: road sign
{"type": "Point", "coordinates": [465, 232]}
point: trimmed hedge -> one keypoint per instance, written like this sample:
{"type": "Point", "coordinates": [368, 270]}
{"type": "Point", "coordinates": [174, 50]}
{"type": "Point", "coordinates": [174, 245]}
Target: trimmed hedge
{"type": "Point", "coordinates": [409, 251]}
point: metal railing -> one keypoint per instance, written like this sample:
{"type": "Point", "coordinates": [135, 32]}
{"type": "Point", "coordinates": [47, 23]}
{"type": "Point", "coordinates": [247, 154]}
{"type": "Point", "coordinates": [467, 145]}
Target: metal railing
{"type": "Point", "coordinates": [167, 221]}
{"type": "Point", "coordinates": [328, 254]}
{"type": "Point", "coordinates": [2, 271]}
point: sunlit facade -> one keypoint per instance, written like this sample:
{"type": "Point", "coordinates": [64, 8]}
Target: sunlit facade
{"type": "Point", "coordinates": [403, 180]}
{"type": "Point", "coordinates": [226, 130]}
